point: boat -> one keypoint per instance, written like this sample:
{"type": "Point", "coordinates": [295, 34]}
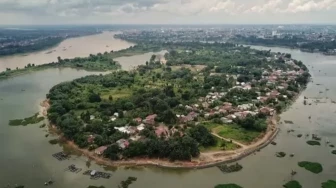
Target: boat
{"type": "Point", "coordinates": [93, 172]}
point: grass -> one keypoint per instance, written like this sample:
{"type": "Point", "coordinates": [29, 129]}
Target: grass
{"type": "Point", "coordinates": [233, 132]}
{"type": "Point", "coordinates": [292, 184]}
{"type": "Point", "coordinates": [221, 145]}
{"type": "Point", "coordinates": [230, 168]}
{"type": "Point", "coordinates": [313, 143]}
{"type": "Point", "coordinates": [329, 184]}
{"type": "Point", "coordinates": [311, 166]}
{"type": "Point", "coordinates": [29, 120]}
{"type": "Point", "coordinates": [116, 93]}
{"type": "Point", "coordinates": [231, 185]}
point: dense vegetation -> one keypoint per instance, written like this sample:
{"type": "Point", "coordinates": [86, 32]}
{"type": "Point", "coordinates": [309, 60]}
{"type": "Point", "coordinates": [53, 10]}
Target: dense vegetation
{"type": "Point", "coordinates": [329, 184]}
{"type": "Point", "coordinates": [313, 143]}
{"type": "Point", "coordinates": [29, 120]}
{"type": "Point", "coordinates": [311, 166]}
{"type": "Point", "coordinates": [289, 41]}
{"type": "Point", "coordinates": [230, 168]}
{"type": "Point", "coordinates": [96, 106]}
{"type": "Point", "coordinates": [292, 184]}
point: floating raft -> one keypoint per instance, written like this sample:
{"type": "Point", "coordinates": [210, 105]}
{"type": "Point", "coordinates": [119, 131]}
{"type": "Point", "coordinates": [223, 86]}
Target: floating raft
{"type": "Point", "coordinates": [96, 174]}
{"type": "Point", "coordinates": [61, 156]}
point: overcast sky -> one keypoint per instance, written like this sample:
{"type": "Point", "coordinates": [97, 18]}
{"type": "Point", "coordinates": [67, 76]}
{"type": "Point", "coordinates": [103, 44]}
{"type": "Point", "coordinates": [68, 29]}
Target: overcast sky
{"type": "Point", "coordinates": [167, 11]}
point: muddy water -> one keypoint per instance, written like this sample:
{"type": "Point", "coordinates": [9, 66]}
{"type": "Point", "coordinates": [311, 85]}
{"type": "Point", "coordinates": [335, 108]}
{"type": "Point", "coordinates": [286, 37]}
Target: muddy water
{"type": "Point", "coordinates": [70, 48]}
{"type": "Point", "coordinates": [26, 154]}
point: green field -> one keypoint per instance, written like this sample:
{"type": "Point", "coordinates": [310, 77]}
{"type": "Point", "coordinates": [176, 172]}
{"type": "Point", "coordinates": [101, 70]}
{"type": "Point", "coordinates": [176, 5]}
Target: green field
{"type": "Point", "coordinates": [233, 132]}
{"type": "Point", "coordinates": [221, 145]}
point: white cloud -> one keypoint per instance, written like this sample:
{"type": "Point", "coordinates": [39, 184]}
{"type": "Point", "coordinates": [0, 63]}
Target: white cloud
{"type": "Point", "coordinates": [270, 6]}
{"type": "Point", "coordinates": [149, 11]}
{"type": "Point", "coordinates": [307, 6]}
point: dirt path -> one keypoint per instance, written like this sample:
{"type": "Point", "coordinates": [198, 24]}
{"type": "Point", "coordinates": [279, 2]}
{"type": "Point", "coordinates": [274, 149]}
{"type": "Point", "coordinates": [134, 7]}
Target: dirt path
{"type": "Point", "coordinates": [230, 140]}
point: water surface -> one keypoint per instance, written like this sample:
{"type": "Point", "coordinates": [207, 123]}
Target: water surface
{"type": "Point", "coordinates": [26, 154]}
{"type": "Point", "coordinates": [70, 48]}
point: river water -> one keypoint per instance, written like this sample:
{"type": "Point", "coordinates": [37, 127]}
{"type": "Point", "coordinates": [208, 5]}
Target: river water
{"type": "Point", "coordinates": [70, 48]}
{"type": "Point", "coordinates": [26, 154]}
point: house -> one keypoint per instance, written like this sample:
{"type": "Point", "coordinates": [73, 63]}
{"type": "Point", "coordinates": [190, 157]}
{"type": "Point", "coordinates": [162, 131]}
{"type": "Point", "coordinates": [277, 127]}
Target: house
{"type": "Point", "coordinates": [150, 119]}
{"type": "Point", "coordinates": [122, 129]}
{"type": "Point", "coordinates": [267, 111]}
{"type": "Point", "coordinates": [141, 127]}
{"type": "Point", "coordinates": [123, 143]}
{"type": "Point", "coordinates": [161, 131]}
{"type": "Point", "coordinates": [100, 150]}
{"type": "Point", "coordinates": [90, 139]}
{"type": "Point", "coordinates": [138, 120]}
{"type": "Point", "coordinates": [226, 120]}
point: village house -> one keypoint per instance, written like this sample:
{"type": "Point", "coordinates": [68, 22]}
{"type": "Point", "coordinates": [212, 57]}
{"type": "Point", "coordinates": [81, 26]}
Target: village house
{"type": "Point", "coordinates": [123, 143]}
{"type": "Point", "coordinates": [226, 120]}
{"type": "Point", "coordinates": [137, 120]}
{"type": "Point", "coordinates": [100, 150]}
{"type": "Point", "coordinates": [161, 131]}
{"type": "Point", "coordinates": [90, 139]}
{"type": "Point", "coordinates": [150, 120]}
{"type": "Point", "coordinates": [267, 111]}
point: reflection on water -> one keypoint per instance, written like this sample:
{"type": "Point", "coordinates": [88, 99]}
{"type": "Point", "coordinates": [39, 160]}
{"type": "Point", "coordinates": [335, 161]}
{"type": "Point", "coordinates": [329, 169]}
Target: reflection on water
{"type": "Point", "coordinates": [26, 153]}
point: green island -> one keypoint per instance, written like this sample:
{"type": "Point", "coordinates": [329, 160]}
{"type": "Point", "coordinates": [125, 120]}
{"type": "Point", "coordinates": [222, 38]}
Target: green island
{"type": "Point", "coordinates": [329, 184]}
{"type": "Point", "coordinates": [230, 168]}
{"type": "Point", "coordinates": [292, 184]}
{"type": "Point", "coordinates": [99, 62]}
{"type": "Point", "coordinates": [29, 120]}
{"type": "Point", "coordinates": [231, 185]}
{"type": "Point", "coordinates": [313, 143]}
{"type": "Point", "coordinates": [333, 152]}
{"type": "Point", "coordinates": [311, 166]}
{"type": "Point", "coordinates": [177, 109]}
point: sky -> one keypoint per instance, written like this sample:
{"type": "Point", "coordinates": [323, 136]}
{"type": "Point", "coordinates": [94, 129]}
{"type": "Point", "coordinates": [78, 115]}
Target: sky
{"type": "Point", "coordinates": [50, 12]}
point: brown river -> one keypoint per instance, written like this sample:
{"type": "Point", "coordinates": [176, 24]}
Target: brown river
{"type": "Point", "coordinates": [26, 153]}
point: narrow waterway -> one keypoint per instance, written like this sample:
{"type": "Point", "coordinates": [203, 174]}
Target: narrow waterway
{"type": "Point", "coordinates": [26, 154]}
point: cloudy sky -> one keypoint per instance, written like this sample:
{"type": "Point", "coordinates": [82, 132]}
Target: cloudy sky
{"type": "Point", "coordinates": [167, 11]}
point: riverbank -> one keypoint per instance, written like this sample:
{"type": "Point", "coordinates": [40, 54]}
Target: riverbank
{"type": "Point", "coordinates": [205, 160]}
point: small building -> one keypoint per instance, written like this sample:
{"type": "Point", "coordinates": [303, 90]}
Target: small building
{"type": "Point", "coordinates": [92, 117]}
{"type": "Point", "coordinates": [161, 131]}
{"type": "Point", "coordinates": [137, 120]}
{"type": "Point", "coordinates": [150, 119]}
{"type": "Point", "coordinates": [123, 143]}
{"type": "Point", "coordinates": [141, 127]}
{"type": "Point", "coordinates": [226, 120]}
{"type": "Point", "coordinates": [100, 150]}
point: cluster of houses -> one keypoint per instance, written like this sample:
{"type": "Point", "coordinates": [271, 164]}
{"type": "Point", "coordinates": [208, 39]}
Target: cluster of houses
{"type": "Point", "coordinates": [225, 111]}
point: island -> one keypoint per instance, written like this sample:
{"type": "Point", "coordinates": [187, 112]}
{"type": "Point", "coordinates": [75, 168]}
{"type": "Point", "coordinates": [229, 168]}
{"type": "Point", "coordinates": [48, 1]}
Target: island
{"type": "Point", "coordinates": [200, 105]}
{"type": "Point", "coordinates": [99, 62]}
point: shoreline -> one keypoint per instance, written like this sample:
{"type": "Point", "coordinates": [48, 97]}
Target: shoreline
{"type": "Point", "coordinates": [205, 160]}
